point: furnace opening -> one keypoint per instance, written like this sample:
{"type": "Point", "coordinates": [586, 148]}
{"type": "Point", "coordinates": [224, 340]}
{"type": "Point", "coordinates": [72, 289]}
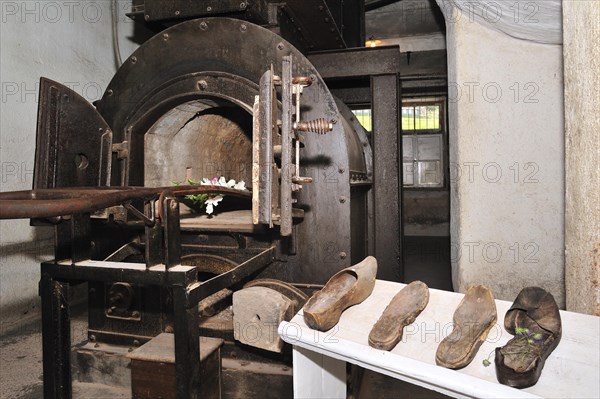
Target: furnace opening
{"type": "Point", "coordinates": [203, 138]}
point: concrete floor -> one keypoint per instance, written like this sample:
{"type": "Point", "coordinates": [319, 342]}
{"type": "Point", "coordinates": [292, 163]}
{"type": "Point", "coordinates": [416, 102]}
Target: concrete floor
{"type": "Point", "coordinates": [427, 258]}
{"type": "Point", "coordinates": [21, 361]}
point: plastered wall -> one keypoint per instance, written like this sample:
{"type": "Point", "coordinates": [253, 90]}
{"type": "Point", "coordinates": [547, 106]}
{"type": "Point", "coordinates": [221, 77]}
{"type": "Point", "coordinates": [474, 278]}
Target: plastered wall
{"type": "Point", "coordinates": [582, 125]}
{"type": "Point", "coordinates": [67, 41]}
{"type": "Point", "coordinates": [506, 161]}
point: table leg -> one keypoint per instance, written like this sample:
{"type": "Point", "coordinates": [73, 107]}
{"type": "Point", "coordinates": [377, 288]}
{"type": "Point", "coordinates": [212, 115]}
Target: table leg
{"type": "Point", "coordinates": [318, 376]}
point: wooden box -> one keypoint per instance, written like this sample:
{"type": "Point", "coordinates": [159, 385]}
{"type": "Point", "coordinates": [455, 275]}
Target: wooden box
{"type": "Point", "coordinates": [153, 368]}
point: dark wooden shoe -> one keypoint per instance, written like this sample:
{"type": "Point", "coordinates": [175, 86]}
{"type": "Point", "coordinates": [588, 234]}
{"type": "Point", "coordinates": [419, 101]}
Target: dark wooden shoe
{"type": "Point", "coordinates": [402, 310]}
{"type": "Point", "coordinates": [347, 287]}
{"type": "Point", "coordinates": [473, 319]}
{"type": "Point", "coordinates": [534, 319]}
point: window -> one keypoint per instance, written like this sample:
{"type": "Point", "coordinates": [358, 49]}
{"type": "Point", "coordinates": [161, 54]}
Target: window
{"type": "Point", "coordinates": [364, 118]}
{"type": "Point", "coordinates": [421, 117]}
{"type": "Point", "coordinates": [423, 136]}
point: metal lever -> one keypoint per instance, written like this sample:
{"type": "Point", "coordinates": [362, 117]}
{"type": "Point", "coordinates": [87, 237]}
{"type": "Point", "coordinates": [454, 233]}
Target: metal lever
{"type": "Point", "coordinates": [298, 84]}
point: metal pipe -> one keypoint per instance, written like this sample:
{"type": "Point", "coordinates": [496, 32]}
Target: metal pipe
{"type": "Point", "coordinates": [45, 203]}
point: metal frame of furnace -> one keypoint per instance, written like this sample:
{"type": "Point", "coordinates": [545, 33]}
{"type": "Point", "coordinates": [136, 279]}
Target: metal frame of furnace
{"type": "Point", "coordinates": [382, 67]}
{"type": "Point", "coordinates": [79, 146]}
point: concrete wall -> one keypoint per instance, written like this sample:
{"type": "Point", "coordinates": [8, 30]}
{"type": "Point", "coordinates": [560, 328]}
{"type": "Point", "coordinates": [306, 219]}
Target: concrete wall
{"type": "Point", "coordinates": [582, 131]}
{"type": "Point", "coordinates": [67, 41]}
{"type": "Point", "coordinates": [506, 161]}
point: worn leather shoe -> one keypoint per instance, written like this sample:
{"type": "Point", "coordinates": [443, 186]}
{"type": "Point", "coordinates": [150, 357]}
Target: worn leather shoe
{"type": "Point", "coordinates": [473, 319]}
{"type": "Point", "coordinates": [535, 322]}
{"type": "Point", "coordinates": [402, 310]}
{"type": "Point", "coordinates": [347, 287]}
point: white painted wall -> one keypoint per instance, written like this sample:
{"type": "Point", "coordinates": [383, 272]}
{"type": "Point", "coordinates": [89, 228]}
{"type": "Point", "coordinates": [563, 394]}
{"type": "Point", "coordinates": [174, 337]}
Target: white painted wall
{"type": "Point", "coordinates": [67, 41]}
{"type": "Point", "coordinates": [507, 161]}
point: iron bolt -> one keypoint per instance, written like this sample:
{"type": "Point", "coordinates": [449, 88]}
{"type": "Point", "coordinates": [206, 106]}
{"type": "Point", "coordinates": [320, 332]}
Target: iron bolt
{"type": "Point", "coordinates": [342, 199]}
{"type": "Point", "coordinates": [341, 170]}
{"type": "Point", "coordinates": [280, 46]}
{"type": "Point", "coordinates": [209, 8]}
{"type": "Point", "coordinates": [92, 338]}
{"type": "Point", "coordinates": [202, 85]}
{"type": "Point", "coordinates": [242, 5]}
{"type": "Point", "coordinates": [109, 311]}
{"type": "Point", "coordinates": [147, 17]}
{"type": "Point", "coordinates": [243, 27]}
{"type": "Point", "coordinates": [177, 12]}
{"type": "Point", "coordinates": [135, 313]}
{"type": "Point", "coordinates": [169, 329]}
{"type": "Point", "coordinates": [133, 60]}
{"type": "Point", "coordinates": [165, 36]}
{"type": "Point", "coordinates": [203, 25]}
{"type": "Point", "coordinates": [109, 92]}
{"type": "Point", "coordinates": [136, 342]}
{"type": "Point", "coordinates": [343, 255]}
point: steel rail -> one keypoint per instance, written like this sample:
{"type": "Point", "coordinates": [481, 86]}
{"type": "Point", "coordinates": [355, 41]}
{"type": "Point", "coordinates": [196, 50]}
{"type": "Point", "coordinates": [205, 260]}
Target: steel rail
{"type": "Point", "coordinates": [46, 203]}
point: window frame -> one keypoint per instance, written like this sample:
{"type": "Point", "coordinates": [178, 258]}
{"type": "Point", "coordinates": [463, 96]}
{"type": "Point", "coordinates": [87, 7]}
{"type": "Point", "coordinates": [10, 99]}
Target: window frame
{"type": "Point", "coordinates": [442, 132]}
{"type": "Point", "coordinates": [420, 102]}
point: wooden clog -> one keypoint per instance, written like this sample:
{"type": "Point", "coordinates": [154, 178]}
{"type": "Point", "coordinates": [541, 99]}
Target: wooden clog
{"type": "Point", "coordinates": [347, 287]}
{"type": "Point", "coordinates": [534, 319]}
{"type": "Point", "coordinates": [473, 319]}
{"type": "Point", "coordinates": [402, 310]}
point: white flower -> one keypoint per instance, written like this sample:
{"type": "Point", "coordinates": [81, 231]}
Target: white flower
{"type": "Point", "coordinates": [205, 182]}
{"type": "Point", "coordinates": [222, 182]}
{"type": "Point", "coordinates": [212, 202]}
{"type": "Point", "coordinates": [240, 185]}
{"type": "Point", "coordinates": [230, 183]}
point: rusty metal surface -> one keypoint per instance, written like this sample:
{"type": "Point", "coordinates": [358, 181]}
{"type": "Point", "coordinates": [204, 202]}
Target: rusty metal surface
{"type": "Point", "coordinates": [309, 24]}
{"type": "Point", "coordinates": [201, 290]}
{"type": "Point", "coordinates": [317, 22]}
{"type": "Point", "coordinates": [67, 201]}
{"type": "Point", "coordinates": [173, 108]}
{"type": "Point", "coordinates": [155, 10]}
{"type": "Point", "coordinates": [73, 141]}
{"type": "Point", "coordinates": [163, 77]}
{"type": "Point", "coordinates": [364, 61]}
{"type": "Point", "coordinates": [262, 175]}
{"type": "Point", "coordinates": [387, 179]}
{"type": "Point", "coordinates": [285, 195]}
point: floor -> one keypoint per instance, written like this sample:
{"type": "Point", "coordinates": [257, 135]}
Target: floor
{"type": "Point", "coordinates": [427, 258]}
{"type": "Point", "coordinates": [21, 361]}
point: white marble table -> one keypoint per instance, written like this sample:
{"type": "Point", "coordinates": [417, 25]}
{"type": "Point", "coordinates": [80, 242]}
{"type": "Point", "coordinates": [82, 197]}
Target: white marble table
{"type": "Point", "coordinates": [571, 371]}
